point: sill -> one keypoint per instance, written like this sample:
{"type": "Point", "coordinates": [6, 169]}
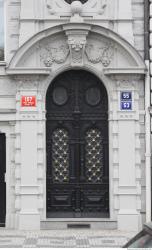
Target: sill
{"type": "Point", "coordinates": [2, 63]}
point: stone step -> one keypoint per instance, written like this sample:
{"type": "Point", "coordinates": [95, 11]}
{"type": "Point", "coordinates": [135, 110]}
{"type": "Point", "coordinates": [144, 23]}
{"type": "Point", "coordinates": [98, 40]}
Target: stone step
{"type": "Point", "coordinates": [105, 224]}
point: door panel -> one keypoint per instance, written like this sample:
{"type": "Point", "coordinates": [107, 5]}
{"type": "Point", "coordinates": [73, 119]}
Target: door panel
{"type": "Point", "coordinates": [2, 179]}
{"type": "Point", "coordinates": [77, 146]}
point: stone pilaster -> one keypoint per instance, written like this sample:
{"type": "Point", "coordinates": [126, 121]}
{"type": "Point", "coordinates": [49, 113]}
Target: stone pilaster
{"type": "Point", "coordinates": [128, 186]}
{"type": "Point", "coordinates": [27, 129]}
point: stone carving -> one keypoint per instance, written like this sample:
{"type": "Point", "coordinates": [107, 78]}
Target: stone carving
{"type": "Point", "coordinates": [77, 47]}
{"type": "Point", "coordinates": [102, 54]}
{"type": "Point", "coordinates": [125, 83]}
{"type": "Point", "coordinates": [49, 4]}
{"type": "Point", "coordinates": [55, 6]}
{"type": "Point", "coordinates": [50, 54]}
{"type": "Point", "coordinates": [26, 82]}
{"type": "Point", "coordinates": [103, 6]}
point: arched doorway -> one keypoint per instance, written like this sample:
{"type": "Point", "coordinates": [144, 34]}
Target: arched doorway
{"type": "Point", "coordinates": [77, 146]}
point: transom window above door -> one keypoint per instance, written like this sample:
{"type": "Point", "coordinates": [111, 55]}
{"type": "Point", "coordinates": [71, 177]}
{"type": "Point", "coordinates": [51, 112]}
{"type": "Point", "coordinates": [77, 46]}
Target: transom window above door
{"type": "Point", "coordinates": [70, 1]}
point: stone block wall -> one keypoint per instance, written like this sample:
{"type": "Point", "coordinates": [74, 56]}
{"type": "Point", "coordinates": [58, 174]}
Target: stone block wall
{"type": "Point", "coordinates": [138, 25]}
{"type": "Point", "coordinates": [12, 31]}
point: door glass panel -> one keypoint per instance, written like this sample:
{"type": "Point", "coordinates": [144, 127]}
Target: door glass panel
{"type": "Point", "coordinates": [94, 156]}
{"type": "Point", "coordinates": [93, 96]}
{"type": "Point", "coordinates": [60, 156]}
{"type": "Point", "coordinates": [60, 95]}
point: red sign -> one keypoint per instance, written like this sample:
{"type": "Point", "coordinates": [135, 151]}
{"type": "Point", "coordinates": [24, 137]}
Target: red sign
{"type": "Point", "coordinates": [28, 101]}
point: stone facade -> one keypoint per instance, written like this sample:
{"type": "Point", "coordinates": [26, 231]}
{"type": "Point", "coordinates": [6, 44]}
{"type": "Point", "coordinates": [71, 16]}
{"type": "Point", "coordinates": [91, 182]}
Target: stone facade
{"type": "Point", "coordinates": [43, 39]}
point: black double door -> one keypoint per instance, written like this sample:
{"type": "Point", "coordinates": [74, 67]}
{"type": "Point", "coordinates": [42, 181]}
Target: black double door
{"type": "Point", "coordinates": [77, 146]}
{"type": "Point", "coordinates": [2, 179]}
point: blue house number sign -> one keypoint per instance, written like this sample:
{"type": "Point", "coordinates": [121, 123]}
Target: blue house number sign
{"type": "Point", "coordinates": [126, 100]}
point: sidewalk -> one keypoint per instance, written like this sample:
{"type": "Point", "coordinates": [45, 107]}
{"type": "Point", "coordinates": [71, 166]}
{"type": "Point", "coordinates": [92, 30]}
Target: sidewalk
{"type": "Point", "coordinates": [64, 238]}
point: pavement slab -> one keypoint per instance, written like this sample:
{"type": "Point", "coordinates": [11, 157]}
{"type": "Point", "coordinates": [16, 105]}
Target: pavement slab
{"type": "Point", "coordinates": [75, 238]}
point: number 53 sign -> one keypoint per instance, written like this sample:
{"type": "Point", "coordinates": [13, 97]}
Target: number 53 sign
{"type": "Point", "coordinates": [126, 100]}
{"type": "Point", "coordinates": [28, 101]}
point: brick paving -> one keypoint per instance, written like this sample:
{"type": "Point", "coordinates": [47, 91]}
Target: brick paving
{"type": "Point", "coordinates": [68, 238]}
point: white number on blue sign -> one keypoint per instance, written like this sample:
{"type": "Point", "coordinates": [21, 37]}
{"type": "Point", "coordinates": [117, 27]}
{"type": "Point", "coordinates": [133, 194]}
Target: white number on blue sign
{"type": "Point", "coordinates": [127, 95]}
{"type": "Point", "coordinates": [126, 105]}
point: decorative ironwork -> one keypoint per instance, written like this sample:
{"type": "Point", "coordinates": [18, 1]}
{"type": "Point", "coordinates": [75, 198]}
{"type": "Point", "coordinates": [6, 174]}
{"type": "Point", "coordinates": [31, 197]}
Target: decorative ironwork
{"type": "Point", "coordinates": [60, 155]}
{"type": "Point", "coordinates": [94, 156]}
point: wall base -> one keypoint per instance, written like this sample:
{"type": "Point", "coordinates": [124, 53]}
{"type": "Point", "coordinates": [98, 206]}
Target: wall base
{"type": "Point", "coordinates": [29, 221]}
{"type": "Point", "coordinates": [129, 222]}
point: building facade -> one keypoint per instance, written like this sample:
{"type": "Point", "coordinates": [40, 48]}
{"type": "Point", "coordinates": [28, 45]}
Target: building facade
{"type": "Point", "coordinates": [74, 114]}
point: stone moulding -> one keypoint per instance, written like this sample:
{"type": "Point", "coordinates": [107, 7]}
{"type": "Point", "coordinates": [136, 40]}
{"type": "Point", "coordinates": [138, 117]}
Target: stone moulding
{"type": "Point", "coordinates": [78, 45]}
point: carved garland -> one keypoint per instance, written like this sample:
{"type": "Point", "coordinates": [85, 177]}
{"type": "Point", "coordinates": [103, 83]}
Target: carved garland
{"type": "Point", "coordinates": [102, 54]}
{"type": "Point", "coordinates": [51, 54]}
{"type": "Point", "coordinates": [77, 48]}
